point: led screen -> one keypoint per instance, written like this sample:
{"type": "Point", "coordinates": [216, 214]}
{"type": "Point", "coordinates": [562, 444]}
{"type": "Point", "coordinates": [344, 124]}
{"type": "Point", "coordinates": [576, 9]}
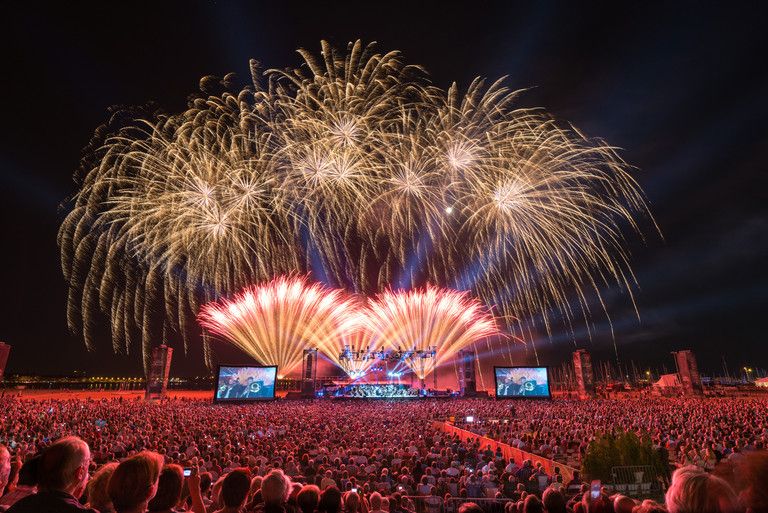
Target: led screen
{"type": "Point", "coordinates": [524, 382]}
{"type": "Point", "coordinates": [239, 383]}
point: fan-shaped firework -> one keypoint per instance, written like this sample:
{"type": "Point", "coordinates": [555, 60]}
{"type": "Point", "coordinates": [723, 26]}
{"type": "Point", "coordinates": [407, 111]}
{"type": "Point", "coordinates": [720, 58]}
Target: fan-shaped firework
{"type": "Point", "coordinates": [354, 349]}
{"type": "Point", "coordinates": [352, 167]}
{"type": "Point", "coordinates": [420, 321]}
{"type": "Point", "coordinates": [275, 322]}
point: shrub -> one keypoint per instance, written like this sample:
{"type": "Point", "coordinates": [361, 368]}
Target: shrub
{"type": "Point", "coordinates": [619, 449]}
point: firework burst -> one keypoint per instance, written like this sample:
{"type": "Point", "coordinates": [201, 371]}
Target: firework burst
{"type": "Point", "coordinates": [354, 350]}
{"type": "Point", "coordinates": [422, 320]}
{"type": "Point", "coordinates": [276, 321]}
{"type": "Point", "coordinates": [352, 167]}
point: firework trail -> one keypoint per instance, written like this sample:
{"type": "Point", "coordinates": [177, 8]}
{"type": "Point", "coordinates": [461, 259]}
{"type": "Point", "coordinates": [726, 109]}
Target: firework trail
{"type": "Point", "coordinates": [354, 167]}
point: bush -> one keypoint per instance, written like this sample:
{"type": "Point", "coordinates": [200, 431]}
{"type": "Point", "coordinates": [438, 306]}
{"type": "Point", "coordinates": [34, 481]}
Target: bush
{"type": "Point", "coordinates": [623, 448]}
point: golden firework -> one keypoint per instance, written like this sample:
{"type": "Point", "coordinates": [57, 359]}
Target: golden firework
{"type": "Point", "coordinates": [274, 322]}
{"type": "Point", "coordinates": [420, 322]}
{"type": "Point", "coordinates": [352, 167]}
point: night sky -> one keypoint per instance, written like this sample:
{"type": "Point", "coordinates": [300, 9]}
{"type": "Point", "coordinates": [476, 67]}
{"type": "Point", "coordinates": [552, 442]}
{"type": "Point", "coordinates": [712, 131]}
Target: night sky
{"type": "Point", "coordinates": [682, 90]}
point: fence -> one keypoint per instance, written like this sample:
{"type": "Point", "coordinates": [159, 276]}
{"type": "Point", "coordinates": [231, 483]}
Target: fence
{"type": "Point", "coordinates": [507, 451]}
{"type": "Point", "coordinates": [638, 481]}
{"type": "Point", "coordinates": [435, 504]}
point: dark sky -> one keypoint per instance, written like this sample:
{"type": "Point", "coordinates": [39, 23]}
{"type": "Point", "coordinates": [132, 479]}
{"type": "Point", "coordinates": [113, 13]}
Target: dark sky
{"type": "Point", "coordinates": [682, 90]}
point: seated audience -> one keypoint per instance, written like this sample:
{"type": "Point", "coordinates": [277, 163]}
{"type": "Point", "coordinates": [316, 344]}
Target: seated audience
{"type": "Point", "coordinates": [386, 451]}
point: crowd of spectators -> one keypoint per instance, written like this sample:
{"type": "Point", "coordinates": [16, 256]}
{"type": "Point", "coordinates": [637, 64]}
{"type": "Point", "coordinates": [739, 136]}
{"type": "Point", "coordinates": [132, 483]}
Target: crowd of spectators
{"type": "Point", "coordinates": [692, 431]}
{"type": "Point", "coordinates": [363, 457]}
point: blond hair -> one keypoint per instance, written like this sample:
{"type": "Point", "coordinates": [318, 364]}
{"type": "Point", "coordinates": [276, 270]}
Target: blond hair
{"type": "Point", "coordinates": [696, 491]}
{"type": "Point", "coordinates": [96, 491]}
{"type": "Point", "coordinates": [134, 479]}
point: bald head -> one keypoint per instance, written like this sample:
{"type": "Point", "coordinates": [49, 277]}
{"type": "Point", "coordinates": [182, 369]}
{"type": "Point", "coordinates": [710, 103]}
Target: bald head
{"type": "Point", "coordinates": [64, 466]}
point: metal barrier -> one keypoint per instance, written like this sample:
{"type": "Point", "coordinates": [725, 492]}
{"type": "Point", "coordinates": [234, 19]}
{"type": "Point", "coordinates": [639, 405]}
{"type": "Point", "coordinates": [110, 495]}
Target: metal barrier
{"type": "Point", "coordinates": [435, 504]}
{"type": "Point", "coordinates": [508, 451]}
{"type": "Point", "coordinates": [638, 481]}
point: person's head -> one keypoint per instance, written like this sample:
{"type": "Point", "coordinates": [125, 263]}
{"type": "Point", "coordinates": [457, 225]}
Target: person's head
{"type": "Point", "coordinates": [168, 488]}
{"type": "Point", "coordinates": [649, 506]}
{"type": "Point", "coordinates": [694, 490]}
{"type": "Point", "coordinates": [470, 507]}
{"type": "Point", "coordinates": [598, 505]}
{"type": "Point", "coordinates": [255, 486]}
{"type": "Point", "coordinates": [330, 500]}
{"type": "Point", "coordinates": [63, 466]}
{"type": "Point", "coordinates": [275, 487]}
{"type": "Point", "coordinates": [533, 505]}
{"type": "Point", "coordinates": [375, 501]}
{"type": "Point", "coordinates": [96, 491]}
{"type": "Point", "coordinates": [134, 481]}
{"type": "Point", "coordinates": [5, 466]}
{"type": "Point", "coordinates": [205, 482]}
{"type": "Point", "coordinates": [623, 504]}
{"type": "Point", "coordinates": [748, 474]}
{"type": "Point", "coordinates": [394, 500]}
{"type": "Point", "coordinates": [234, 488]}
{"type": "Point", "coordinates": [384, 504]}
{"type": "Point", "coordinates": [351, 501]}
{"type": "Point", "coordinates": [216, 491]}
{"type": "Point", "coordinates": [28, 472]}
{"type": "Point", "coordinates": [308, 498]}
{"type": "Point", "coordinates": [554, 501]}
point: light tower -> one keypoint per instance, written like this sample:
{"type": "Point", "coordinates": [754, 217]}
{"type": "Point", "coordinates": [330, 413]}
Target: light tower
{"type": "Point", "coordinates": [309, 373]}
{"type": "Point", "coordinates": [159, 370]}
{"type": "Point", "coordinates": [466, 366]}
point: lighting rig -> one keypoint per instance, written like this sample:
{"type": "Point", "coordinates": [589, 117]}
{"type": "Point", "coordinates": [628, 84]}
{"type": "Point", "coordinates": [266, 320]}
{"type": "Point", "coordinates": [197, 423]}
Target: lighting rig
{"type": "Point", "coordinates": [417, 359]}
